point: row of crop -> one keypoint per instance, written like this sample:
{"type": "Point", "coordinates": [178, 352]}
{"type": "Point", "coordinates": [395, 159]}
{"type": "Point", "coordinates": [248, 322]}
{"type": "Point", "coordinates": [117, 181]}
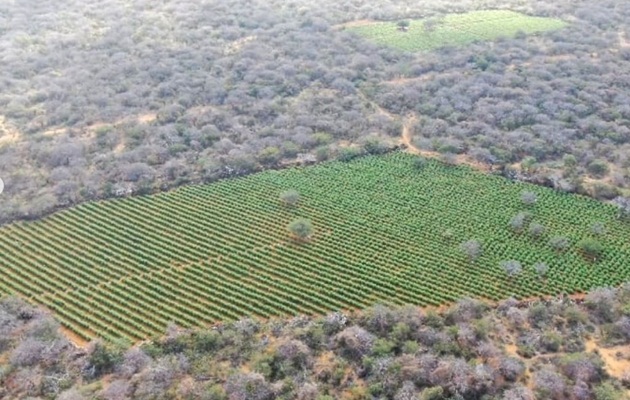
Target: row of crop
{"type": "Point", "coordinates": [90, 237]}
{"type": "Point", "coordinates": [100, 236]}
{"type": "Point", "coordinates": [16, 282]}
{"type": "Point", "coordinates": [201, 300]}
{"type": "Point", "coordinates": [259, 280]}
{"type": "Point", "coordinates": [45, 259]}
{"type": "Point", "coordinates": [220, 228]}
{"type": "Point", "coordinates": [341, 248]}
{"type": "Point", "coordinates": [370, 277]}
{"type": "Point", "coordinates": [162, 310]}
{"type": "Point", "coordinates": [232, 296]}
{"type": "Point", "coordinates": [373, 277]}
{"type": "Point", "coordinates": [126, 224]}
{"type": "Point", "coordinates": [381, 276]}
{"type": "Point", "coordinates": [493, 221]}
{"type": "Point", "coordinates": [295, 277]}
{"type": "Point", "coordinates": [62, 251]}
{"type": "Point", "coordinates": [26, 276]}
{"type": "Point", "coordinates": [535, 283]}
{"type": "Point", "coordinates": [135, 320]}
{"type": "Point", "coordinates": [150, 224]}
{"type": "Point", "coordinates": [103, 325]}
{"type": "Point", "coordinates": [358, 259]}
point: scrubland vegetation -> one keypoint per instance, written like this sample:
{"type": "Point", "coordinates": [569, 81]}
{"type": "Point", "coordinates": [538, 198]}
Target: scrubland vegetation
{"type": "Point", "coordinates": [113, 98]}
{"type": "Point", "coordinates": [550, 349]}
{"type": "Point", "coordinates": [304, 282]}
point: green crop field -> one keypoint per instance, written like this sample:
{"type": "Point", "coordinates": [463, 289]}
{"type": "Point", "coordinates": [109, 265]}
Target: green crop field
{"type": "Point", "coordinates": [126, 268]}
{"type": "Point", "coordinates": [455, 29]}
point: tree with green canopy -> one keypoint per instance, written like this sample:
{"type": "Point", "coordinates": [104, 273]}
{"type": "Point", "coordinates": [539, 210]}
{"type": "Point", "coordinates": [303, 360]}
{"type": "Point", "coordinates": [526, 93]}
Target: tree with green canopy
{"type": "Point", "coordinates": [301, 228]}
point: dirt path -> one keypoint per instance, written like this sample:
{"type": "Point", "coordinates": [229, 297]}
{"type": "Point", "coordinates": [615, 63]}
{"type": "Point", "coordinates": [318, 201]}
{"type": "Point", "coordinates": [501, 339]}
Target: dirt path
{"type": "Point", "coordinates": [8, 133]}
{"type": "Point", "coordinates": [616, 359]}
{"type": "Point", "coordinates": [354, 24]}
{"type": "Point", "coordinates": [75, 339]}
{"type": "Point", "coordinates": [407, 140]}
{"type": "Point", "coordinates": [406, 136]}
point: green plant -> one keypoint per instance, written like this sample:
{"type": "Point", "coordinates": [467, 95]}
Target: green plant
{"type": "Point", "coordinates": [290, 197]}
{"type": "Point", "coordinates": [591, 248]}
{"type": "Point", "coordinates": [394, 238]}
{"type": "Point", "coordinates": [598, 168]}
{"type": "Point", "coordinates": [454, 29]}
{"type": "Point", "coordinates": [301, 228]}
{"type": "Point", "coordinates": [349, 153]}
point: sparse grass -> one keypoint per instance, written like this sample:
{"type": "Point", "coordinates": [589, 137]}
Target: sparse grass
{"type": "Point", "coordinates": [455, 29]}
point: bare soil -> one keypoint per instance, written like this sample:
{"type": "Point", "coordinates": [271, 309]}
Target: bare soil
{"type": "Point", "coordinates": [75, 339]}
{"type": "Point", "coordinates": [422, 78]}
{"type": "Point", "coordinates": [616, 359]}
{"type": "Point", "coordinates": [236, 46]}
{"type": "Point", "coordinates": [354, 24]}
{"type": "Point", "coordinates": [146, 118]}
{"type": "Point", "coordinates": [8, 133]}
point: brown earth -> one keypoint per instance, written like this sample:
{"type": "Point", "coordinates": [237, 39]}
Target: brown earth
{"type": "Point", "coordinates": [354, 24]}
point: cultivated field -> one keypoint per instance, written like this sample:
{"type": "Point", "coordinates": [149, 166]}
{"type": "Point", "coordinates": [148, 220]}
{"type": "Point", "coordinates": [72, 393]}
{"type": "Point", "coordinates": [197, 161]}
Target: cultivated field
{"type": "Point", "coordinates": [385, 232]}
{"type": "Point", "coordinates": [455, 29]}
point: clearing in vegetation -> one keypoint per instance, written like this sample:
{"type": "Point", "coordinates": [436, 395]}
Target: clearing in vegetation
{"type": "Point", "coordinates": [454, 29]}
{"type": "Point", "coordinates": [385, 229]}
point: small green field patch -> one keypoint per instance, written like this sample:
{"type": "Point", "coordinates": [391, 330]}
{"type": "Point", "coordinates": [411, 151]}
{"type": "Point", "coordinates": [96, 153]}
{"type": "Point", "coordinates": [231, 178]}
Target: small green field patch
{"type": "Point", "coordinates": [455, 29]}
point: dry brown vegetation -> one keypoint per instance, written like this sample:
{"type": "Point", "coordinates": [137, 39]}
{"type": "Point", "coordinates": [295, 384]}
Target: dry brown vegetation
{"type": "Point", "coordinates": [555, 347]}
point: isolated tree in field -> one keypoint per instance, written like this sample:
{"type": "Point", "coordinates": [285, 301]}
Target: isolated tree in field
{"type": "Point", "coordinates": [290, 197]}
{"type": "Point", "coordinates": [598, 229]}
{"type": "Point", "coordinates": [529, 198]}
{"type": "Point", "coordinates": [472, 249]}
{"type": "Point", "coordinates": [559, 243]}
{"type": "Point", "coordinates": [623, 206]}
{"type": "Point", "coordinates": [591, 248]}
{"type": "Point", "coordinates": [512, 267]}
{"type": "Point", "coordinates": [541, 269]}
{"type": "Point", "coordinates": [419, 163]}
{"type": "Point", "coordinates": [517, 223]}
{"type": "Point", "coordinates": [403, 25]}
{"type": "Point", "coordinates": [302, 228]}
{"type": "Point", "coordinates": [536, 230]}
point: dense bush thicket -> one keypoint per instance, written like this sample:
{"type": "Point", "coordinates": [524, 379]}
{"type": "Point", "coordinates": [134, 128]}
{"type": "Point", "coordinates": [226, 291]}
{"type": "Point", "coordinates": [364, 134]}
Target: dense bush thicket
{"type": "Point", "coordinates": [516, 350]}
{"type": "Point", "coordinates": [111, 97]}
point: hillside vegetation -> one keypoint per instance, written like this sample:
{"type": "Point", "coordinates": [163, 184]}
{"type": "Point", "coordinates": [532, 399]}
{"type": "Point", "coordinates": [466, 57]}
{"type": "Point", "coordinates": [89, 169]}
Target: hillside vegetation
{"type": "Point", "coordinates": [394, 228]}
{"type": "Point", "coordinates": [112, 98]}
{"type": "Point", "coordinates": [552, 349]}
